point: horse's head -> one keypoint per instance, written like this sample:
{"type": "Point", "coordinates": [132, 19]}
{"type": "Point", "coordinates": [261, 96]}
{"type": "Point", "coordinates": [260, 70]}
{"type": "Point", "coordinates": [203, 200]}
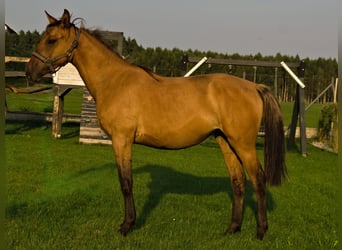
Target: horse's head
{"type": "Point", "coordinates": [55, 48]}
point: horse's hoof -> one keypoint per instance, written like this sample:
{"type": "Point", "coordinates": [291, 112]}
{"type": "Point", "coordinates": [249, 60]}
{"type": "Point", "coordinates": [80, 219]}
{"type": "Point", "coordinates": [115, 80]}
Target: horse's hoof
{"type": "Point", "coordinates": [124, 229]}
{"type": "Point", "coordinates": [260, 235]}
{"type": "Point", "coordinates": [122, 232]}
{"type": "Point", "coordinates": [261, 232]}
{"type": "Point", "coordinates": [233, 228]}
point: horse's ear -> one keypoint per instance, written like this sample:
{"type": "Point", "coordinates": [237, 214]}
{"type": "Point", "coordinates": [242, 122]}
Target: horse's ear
{"type": "Point", "coordinates": [50, 18]}
{"type": "Point", "coordinates": [66, 19]}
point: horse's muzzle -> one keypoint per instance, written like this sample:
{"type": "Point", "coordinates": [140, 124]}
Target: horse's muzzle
{"type": "Point", "coordinates": [33, 72]}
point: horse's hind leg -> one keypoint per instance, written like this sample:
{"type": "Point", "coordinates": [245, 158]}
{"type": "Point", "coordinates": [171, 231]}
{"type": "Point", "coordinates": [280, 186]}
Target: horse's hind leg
{"type": "Point", "coordinates": [257, 177]}
{"type": "Point", "coordinates": [238, 183]}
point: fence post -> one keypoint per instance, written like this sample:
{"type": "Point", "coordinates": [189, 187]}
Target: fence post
{"type": "Point", "coordinates": [302, 122]}
{"type": "Point", "coordinates": [184, 64]}
{"type": "Point", "coordinates": [276, 82]}
{"type": "Point", "coordinates": [58, 109]}
{"type": "Point", "coordinates": [299, 111]}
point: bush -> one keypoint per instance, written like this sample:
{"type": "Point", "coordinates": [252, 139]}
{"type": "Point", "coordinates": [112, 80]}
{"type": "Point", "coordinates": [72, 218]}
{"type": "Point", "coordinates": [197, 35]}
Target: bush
{"type": "Point", "coordinates": [327, 125]}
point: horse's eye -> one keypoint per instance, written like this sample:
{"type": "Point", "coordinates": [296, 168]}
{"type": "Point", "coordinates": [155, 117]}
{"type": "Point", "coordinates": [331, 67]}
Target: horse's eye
{"type": "Point", "coordinates": [52, 41]}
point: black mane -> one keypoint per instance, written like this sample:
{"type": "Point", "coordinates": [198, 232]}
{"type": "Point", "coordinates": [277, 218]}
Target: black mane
{"type": "Point", "coordinates": [98, 34]}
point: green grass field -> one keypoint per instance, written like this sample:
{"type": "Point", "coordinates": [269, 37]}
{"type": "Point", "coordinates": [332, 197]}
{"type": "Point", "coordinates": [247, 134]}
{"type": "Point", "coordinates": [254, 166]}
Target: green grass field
{"type": "Point", "coordinates": [65, 195]}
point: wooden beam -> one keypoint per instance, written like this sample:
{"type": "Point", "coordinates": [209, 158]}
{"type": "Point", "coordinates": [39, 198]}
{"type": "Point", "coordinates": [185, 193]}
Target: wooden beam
{"type": "Point", "coordinates": [16, 59]}
{"type": "Point", "coordinates": [36, 116]}
{"type": "Point", "coordinates": [242, 62]}
{"type": "Point", "coordinates": [15, 74]}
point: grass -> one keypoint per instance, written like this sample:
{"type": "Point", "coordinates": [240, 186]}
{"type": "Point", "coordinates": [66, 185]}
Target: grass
{"type": "Point", "coordinates": [43, 101]}
{"type": "Point", "coordinates": [311, 115]}
{"type": "Point", "coordinates": [65, 195]}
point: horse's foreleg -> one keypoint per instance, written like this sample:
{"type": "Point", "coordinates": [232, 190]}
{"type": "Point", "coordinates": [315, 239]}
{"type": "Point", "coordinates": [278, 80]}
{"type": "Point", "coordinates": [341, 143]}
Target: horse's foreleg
{"type": "Point", "coordinates": [122, 150]}
{"type": "Point", "coordinates": [126, 183]}
{"type": "Point", "coordinates": [238, 183]}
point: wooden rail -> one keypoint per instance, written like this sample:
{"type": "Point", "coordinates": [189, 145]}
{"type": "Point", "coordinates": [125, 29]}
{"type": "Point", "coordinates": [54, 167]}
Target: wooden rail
{"type": "Point", "coordinates": [16, 59]}
{"type": "Point", "coordinates": [243, 62]}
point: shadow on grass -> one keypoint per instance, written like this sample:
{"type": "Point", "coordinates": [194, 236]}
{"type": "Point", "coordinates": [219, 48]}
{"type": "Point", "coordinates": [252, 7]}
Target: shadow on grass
{"type": "Point", "coordinates": [210, 142]}
{"type": "Point", "coordinates": [18, 127]}
{"type": "Point", "coordinates": [165, 180]}
{"type": "Point", "coordinates": [69, 129]}
{"type": "Point", "coordinates": [294, 146]}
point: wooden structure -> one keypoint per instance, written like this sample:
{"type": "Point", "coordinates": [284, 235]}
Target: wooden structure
{"type": "Point", "coordinates": [9, 29]}
{"type": "Point", "coordinates": [68, 78]}
{"type": "Point", "coordinates": [90, 130]}
{"type": "Point", "coordinates": [250, 63]}
{"type": "Point", "coordinates": [18, 60]}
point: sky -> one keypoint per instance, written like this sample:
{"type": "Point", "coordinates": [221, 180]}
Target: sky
{"type": "Point", "coordinates": [308, 28]}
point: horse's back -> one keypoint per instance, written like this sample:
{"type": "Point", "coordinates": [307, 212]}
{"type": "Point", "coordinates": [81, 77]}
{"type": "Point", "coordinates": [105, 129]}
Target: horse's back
{"type": "Point", "coordinates": [181, 112]}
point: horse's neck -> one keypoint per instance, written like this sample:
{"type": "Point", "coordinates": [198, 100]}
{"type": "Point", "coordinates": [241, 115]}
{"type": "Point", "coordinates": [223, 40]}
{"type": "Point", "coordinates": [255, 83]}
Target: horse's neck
{"type": "Point", "coordinates": [91, 59]}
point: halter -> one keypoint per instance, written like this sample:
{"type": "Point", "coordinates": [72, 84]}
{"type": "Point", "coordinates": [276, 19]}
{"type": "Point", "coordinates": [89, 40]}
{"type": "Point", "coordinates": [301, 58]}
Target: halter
{"type": "Point", "coordinates": [49, 62]}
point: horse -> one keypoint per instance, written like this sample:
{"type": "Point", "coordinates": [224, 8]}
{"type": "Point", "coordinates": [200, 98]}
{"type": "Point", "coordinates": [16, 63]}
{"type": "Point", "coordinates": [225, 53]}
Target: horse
{"type": "Point", "coordinates": [137, 106]}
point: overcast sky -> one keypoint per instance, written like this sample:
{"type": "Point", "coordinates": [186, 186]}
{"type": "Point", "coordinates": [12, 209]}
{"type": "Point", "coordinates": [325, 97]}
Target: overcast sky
{"type": "Point", "coordinates": [308, 28]}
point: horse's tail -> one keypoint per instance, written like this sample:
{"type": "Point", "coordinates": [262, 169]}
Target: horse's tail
{"type": "Point", "coordinates": [274, 149]}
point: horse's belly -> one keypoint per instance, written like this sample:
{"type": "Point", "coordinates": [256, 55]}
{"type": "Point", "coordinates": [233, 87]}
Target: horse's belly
{"type": "Point", "coordinates": [175, 136]}
{"type": "Point", "coordinates": [170, 141]}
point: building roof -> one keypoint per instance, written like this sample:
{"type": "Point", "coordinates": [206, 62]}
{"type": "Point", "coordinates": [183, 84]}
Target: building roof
{"type": "Point", "coordinates": [9, 29]}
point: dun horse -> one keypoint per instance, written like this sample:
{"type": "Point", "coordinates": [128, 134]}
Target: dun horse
{"type": "Point", "coordinates": [137, 106]}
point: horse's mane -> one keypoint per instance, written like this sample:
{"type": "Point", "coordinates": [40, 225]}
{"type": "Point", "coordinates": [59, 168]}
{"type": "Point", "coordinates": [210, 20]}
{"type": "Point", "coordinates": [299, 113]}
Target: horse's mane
{"type": "Point", "coordinates": [99, 35]}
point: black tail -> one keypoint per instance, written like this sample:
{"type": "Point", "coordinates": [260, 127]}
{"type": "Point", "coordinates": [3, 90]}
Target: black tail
{"type": "Point", "coordinates": [274, 151]}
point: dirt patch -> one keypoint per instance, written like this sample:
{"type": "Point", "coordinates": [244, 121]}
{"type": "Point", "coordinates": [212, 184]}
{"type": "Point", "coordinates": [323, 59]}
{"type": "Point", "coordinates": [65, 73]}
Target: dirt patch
{"type": "Point", "coordinates": [323, 146]}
